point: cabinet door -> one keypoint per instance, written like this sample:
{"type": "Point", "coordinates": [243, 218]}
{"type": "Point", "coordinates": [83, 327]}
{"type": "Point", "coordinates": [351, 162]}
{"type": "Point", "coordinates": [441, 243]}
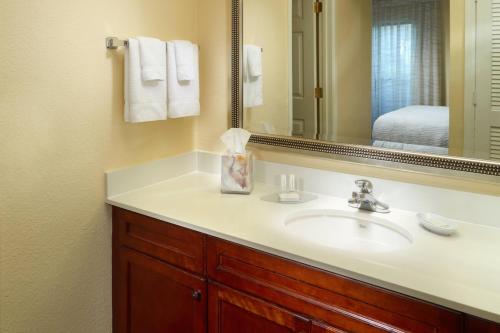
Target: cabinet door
{"type": "Point", "coordinates": [154, 297]}
{"type": "Point", "coordinates": [231, 311]}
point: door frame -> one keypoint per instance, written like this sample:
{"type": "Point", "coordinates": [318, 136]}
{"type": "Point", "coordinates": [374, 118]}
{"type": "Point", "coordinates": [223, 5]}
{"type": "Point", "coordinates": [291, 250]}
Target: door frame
{"type": "Point", "coordinates": [470, 83]}
{"type": "Point", "coordinates": [328, 111]}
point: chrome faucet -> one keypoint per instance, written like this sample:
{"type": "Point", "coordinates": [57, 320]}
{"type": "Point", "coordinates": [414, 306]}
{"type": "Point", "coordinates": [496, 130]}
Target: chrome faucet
{"type": "Point", "coordinates": [365, 200]}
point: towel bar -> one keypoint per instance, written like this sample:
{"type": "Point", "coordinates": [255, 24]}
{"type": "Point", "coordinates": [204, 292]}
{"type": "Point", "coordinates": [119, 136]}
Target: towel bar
{"type": "Point", "coordinates": [112, 43]}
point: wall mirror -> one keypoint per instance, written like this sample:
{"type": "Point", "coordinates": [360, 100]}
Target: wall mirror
{"type": "Point", "coordinates": [408, 81]}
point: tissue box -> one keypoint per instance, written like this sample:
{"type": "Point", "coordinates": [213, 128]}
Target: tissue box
{"type": "Point", "coordinates": [236, 173]}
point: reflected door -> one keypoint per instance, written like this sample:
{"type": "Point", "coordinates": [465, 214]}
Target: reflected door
{"type": "Point", "coordinates": [303, 55]}
{"type": "Point", "coordinates": [487, 110]}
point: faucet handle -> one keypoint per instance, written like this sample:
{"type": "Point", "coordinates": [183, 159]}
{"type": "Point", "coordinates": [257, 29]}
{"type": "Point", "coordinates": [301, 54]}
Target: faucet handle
{"type": "Point", "coordinates": [355, 201]}
{"type": "Point", "coordinates": [366, 186]}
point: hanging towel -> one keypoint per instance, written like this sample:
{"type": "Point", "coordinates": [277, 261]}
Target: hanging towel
{"type": "Point", "coordinates": [153, 59]}
{"type": "Point", "coordinates": [254, 59]}
{"type": "Point", "coordinates": [144, 101]}
{"type": "Point", "coordinates": [184, 57]}
{"type": "Point", "coordinates": [183, 96]}
{"type": "Point", "coordinates": [253, 83]}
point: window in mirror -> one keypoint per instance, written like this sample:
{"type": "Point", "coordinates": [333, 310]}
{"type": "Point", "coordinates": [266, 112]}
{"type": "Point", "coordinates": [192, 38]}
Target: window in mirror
{"type": "Point", "coordinates": [392, 67]}
{"type": "Point", "coordinates": [409, 107]}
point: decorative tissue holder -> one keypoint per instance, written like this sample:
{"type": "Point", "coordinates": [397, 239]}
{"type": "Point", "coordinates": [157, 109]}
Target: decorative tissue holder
{"type": "Point", "coordinates": [236, 173]}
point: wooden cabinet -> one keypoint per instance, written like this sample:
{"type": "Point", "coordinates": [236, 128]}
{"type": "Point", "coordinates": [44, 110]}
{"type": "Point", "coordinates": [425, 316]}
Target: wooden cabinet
{"type": "Point", "coordinates": [168, 279]}
{"type": "Point", "coordinates": [477, 325]}
{"type": "Point", "coordinates": [340, 302]}
{"type": "Point", "coordinates": [155, 297]}
{"type": "Point", "coordinates": [175, 245]}
{"type": "Point", "coordinates": [235, 312]}
{"type": "Point", "coordinates": [159, 283]}
{"type": "Point", "coordinates": [325, 328]}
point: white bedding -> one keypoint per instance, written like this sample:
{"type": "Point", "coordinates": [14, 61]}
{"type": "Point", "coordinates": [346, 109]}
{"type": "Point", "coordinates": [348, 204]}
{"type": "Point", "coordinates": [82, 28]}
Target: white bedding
{"type": "Point", "coordinates": [411, 148]}
{"type": "Point", "coordinates": [415, 125]}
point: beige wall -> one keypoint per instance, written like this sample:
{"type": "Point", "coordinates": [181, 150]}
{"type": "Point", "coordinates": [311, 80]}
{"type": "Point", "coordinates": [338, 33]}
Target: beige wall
{"type": "Point", "coordinates": [61, 127]}
{"type": "Point", "coordinates": [214, 120]}
{"type": "Point", "coordinates": [353, 25]}
{"type": "Point", "coordinates": [266, 24]}
{"type": "Point", "coordinates": [215, 37]}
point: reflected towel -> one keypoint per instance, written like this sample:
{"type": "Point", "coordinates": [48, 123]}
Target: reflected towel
{"type": "Point", "coordinates": [254, 60]}
{"type": "Point", "coordinates": [253, 83]}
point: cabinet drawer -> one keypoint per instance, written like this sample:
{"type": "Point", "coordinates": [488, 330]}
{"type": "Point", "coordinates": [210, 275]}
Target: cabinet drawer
{"type": "Point", "coordinates": [178, 246]}
{"type": "Point", "coordinates": [344, 303]}
{"type": "Point", "coordinates": [232, 311]}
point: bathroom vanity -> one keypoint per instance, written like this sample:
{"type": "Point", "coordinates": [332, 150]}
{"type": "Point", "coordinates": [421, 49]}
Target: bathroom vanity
{"type": "Point", "coordinates": [187, 258]}
{"type": "Point", "coordinates": [168, 278]}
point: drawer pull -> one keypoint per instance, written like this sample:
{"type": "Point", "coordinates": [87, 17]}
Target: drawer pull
{"type": "Point", "coordinates": [197, 295]}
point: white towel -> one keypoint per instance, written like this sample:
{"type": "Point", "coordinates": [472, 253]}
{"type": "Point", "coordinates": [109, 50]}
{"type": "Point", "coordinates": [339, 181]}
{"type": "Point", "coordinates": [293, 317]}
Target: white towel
{"type": "Point", "coordinates": [144, 101]}
{"type": "Point", "coordinates": [254, 60]}
{"type": "Point", "coordinates": [153, 59]}
{"type": "Point", "coordinates": [253, 83]}
{"type": "Point", "coordinates": [183, 96]}
{"type": "Point", "coordinates": [184, 57]}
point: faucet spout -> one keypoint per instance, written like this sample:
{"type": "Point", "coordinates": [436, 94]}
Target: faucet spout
{"type": "Point", "coordinates": [365, 200]}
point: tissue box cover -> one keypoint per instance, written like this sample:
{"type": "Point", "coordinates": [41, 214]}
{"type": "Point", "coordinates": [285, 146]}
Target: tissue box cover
{"type": "Point", "coordinates": [236, 173]}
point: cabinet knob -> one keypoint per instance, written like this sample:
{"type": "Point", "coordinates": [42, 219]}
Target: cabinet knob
{"type": "Point", "coordinates": [197, 295]}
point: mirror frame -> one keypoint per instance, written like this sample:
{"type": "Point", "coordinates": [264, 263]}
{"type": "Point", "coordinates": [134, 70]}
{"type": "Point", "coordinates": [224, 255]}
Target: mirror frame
{"type": "Point", "coordinates": [462, 164]}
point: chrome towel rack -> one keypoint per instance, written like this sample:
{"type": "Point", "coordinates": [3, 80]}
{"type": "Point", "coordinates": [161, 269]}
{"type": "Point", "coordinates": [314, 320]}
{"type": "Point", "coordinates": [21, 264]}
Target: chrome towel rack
{"type": "Point", "coordinates": [112, 43]}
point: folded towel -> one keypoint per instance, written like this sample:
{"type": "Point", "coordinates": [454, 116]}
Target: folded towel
{"type": "Point", "coordinates": [184, 58]}
{"type": "Point", "coordinates": [253, 83]}
{"type": "Point", "coordinates": [153, 59]}
{"type": "Point", "coordinates": [183, 96]}
{"type": "Point", "coordinates": [144, 101]}
{"type": "Point", "coordinates": [254, 60]}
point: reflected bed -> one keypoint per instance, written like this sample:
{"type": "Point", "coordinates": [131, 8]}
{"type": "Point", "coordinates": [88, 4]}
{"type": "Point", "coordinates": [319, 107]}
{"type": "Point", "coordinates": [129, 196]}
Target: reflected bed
{"type": "Point", "coordinates": [418, 128]}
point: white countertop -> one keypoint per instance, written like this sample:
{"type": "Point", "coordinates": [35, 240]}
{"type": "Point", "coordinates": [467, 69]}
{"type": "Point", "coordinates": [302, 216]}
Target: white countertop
{"type": "Point", "coordinates": [460, 272]}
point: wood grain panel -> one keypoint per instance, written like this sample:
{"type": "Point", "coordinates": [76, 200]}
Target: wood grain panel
{"type": "Point", "coordinates": [154, 297]}
{"type": "Point", "coordinates": [176, 245]}
{"type": "Point", "coordinates": [232, 311]}
{"type": "Point", "coordinates": [477, 325]}
{"type": "Point", "coordinates": [342, 302]}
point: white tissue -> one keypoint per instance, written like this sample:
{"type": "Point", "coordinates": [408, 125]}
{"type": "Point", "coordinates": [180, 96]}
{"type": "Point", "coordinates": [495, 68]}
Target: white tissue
{"type": "Point", "coordinates": [235, 140]}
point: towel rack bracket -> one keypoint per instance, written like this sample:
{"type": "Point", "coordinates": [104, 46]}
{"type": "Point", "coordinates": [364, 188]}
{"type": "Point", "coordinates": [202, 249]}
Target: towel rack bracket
{"type": "Point", "coordinates": [112, 43]}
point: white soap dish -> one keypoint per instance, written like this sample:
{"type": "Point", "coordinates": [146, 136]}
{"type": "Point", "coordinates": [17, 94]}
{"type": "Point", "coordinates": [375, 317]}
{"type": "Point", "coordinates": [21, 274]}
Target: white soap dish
{"type": "Point", "coordinates": [302, 198]}
{"type": "Point", "coordinates": [438, 224]}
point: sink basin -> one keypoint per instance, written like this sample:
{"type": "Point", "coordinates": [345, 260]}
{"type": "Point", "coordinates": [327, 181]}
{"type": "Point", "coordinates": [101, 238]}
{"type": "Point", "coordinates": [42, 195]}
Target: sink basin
{"type": "Point", "coordinates": [350, 231]}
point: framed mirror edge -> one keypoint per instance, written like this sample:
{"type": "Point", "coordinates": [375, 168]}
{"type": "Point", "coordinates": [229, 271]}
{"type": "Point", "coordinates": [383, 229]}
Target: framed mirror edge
{"type": "Point", "coordinates": [349, 151]}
